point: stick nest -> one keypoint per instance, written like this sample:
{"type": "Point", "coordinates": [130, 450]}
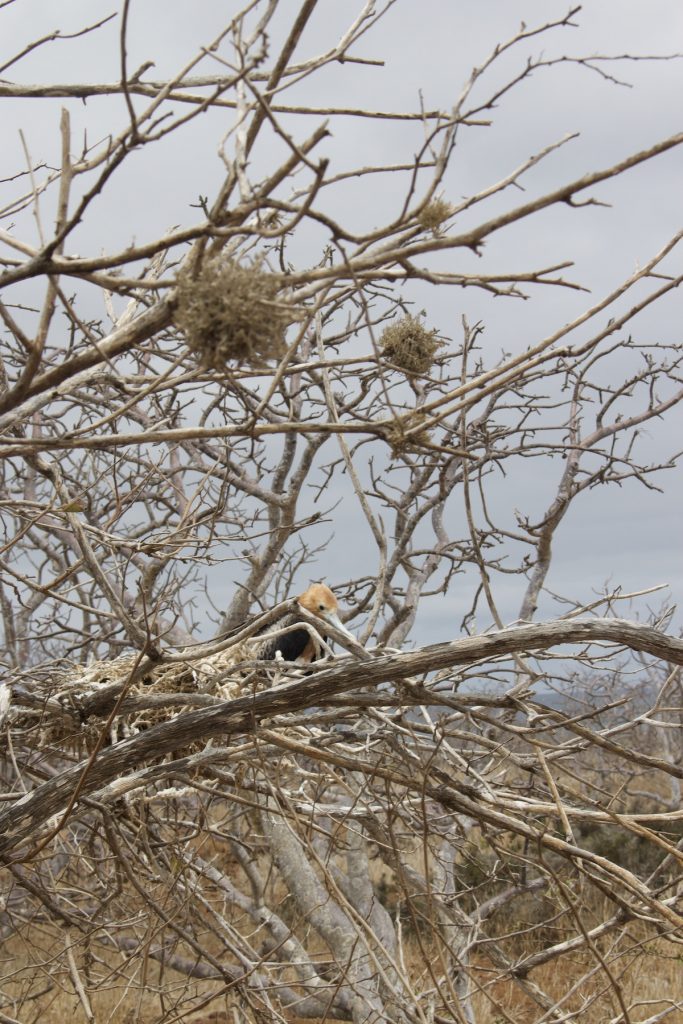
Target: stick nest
{"type": "Point", "coordinates": [410, 346]}
{"type": "Point", "coordinates": [232, 313]}
{"type": "Point", "coordinates": [223, 675]}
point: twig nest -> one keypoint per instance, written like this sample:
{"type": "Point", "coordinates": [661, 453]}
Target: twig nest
{"type": "Point", "coordinates": [409, 345]}
{"type": "Point", "coordinates": [232, 313]}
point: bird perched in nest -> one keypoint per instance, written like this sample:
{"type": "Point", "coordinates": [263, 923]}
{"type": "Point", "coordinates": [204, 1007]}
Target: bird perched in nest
{"type": "Point", "coordinates": [297, 644]}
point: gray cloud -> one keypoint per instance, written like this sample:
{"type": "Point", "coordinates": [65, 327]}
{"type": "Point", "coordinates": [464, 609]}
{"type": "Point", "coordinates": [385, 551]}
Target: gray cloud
{"type": "Point", "coordinates": [429, 49]}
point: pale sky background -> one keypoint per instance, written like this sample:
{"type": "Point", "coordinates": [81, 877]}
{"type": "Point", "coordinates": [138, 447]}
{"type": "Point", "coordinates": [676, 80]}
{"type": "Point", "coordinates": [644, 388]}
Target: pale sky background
{"type": "Point", "coordinates": [629, 535]}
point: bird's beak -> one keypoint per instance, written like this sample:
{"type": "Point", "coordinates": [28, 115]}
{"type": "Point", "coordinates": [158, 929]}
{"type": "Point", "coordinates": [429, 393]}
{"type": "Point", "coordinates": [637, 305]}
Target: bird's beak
{"type": "Point", "coordinates": [335, 621]}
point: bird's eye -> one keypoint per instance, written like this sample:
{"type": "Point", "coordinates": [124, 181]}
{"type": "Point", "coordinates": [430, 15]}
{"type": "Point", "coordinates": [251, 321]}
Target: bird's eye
{"type": "Point", "coordinates": [321, 607]}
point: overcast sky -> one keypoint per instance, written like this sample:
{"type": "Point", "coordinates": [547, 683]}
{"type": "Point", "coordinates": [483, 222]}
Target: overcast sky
{"type": "Point", "coordinates": [631, 536]}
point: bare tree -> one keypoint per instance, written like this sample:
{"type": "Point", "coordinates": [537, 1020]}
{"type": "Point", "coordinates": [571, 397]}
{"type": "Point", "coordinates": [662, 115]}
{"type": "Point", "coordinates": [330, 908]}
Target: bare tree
{"type": "Point", "coordinates": [482, 829]}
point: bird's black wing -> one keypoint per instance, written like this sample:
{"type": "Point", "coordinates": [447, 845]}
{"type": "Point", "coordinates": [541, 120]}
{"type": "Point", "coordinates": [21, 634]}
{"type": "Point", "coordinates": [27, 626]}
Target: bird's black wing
{"type": "Point", "coordinates": [290, 645]}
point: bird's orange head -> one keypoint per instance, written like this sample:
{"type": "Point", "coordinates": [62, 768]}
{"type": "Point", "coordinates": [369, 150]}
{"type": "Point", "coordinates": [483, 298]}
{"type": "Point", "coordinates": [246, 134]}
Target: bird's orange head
{"type": "Point", "coordinates": [319, 600]}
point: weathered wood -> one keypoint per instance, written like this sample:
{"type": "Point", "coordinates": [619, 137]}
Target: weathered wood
{"type": "Point", "coordinates": [244, 714]}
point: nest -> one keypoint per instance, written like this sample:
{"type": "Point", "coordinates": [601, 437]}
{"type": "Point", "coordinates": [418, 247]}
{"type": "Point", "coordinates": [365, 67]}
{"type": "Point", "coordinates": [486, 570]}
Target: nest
{"type": "Point", "coordinates": [410, 346]}
{"type": "Point", "coordinates": [432, 216]}
{"type": "Point", "coordinates": [232, 313]}
{"type": "Point", "coordinates": [225, 675]}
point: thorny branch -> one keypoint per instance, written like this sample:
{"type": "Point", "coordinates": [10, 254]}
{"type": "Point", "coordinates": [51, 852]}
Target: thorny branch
{"type": "Point", "coordinates": [405, 831]}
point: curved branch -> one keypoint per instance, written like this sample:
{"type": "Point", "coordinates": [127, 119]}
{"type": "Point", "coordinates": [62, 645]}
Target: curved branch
{"type": "Point", "coordinates": [244, 714]}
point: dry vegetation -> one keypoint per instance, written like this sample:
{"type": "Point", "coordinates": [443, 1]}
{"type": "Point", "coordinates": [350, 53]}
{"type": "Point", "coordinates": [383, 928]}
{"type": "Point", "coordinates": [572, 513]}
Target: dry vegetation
{"type": "Point", "coordinates": [410, 346]}
{"type": "Point", "coordinates": [486, 829]}
{"type": "Point", "coordinates": [232, 314]}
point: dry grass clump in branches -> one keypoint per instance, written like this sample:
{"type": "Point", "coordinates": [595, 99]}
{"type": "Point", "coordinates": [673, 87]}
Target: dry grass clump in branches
{"type": "Point", "coordinates": [409, 345]}
{"type": "Point", "coordinates": [232, 313]}
{"type": "Point", "coordinates": [400, 442]}
{"type": "Point", "coordinates": [434, 214]}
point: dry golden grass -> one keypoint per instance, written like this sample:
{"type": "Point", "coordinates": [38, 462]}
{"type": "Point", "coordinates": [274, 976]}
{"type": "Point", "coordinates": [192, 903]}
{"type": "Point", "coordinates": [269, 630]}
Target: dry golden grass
{"type": "Point", "coordinates": [118, 992]}
{"type": "Point", "coordinates": [650, 982]}
{"type": "Point", "coordinates": [136, 990]}
{"type": "Point", "coordinates": [650, 978]}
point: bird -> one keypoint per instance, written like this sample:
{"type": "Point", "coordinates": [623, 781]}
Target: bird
{"type": "Point", "coordinates": [297, 644]}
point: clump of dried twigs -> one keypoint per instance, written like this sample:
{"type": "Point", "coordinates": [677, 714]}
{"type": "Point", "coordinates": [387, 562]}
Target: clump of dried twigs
{"type": "Point", "coordinates": [219, 675]}
{"type": "Point", "coordinates": [230, 312]}
{"type": "Point", "coordinates": [410, 346]}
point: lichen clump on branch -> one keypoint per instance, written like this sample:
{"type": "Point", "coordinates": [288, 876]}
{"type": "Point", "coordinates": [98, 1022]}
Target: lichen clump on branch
{"type": "Point", "coordinates": [401, 443]}
{"type": "Point", "coordinates": [409, 345]}
{"type": "Point", "coordinates": [432, 216]}
{"type": "Point", "coordinates": [232, 313]}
